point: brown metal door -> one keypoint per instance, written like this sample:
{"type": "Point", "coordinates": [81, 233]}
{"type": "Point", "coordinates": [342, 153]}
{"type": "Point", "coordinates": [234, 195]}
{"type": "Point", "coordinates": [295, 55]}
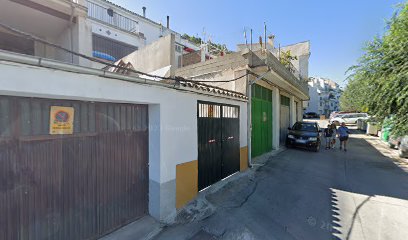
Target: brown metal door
{"type": "Point", "coordinates": [78, 186]}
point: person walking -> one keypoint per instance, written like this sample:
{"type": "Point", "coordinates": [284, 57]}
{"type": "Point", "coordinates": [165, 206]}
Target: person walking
{"type": "Point", "coordinates": [333, 141]}
{"type": "Point", "coordinates": [328, 135]}
{"type": "Point", "coordinates": [343, 133]}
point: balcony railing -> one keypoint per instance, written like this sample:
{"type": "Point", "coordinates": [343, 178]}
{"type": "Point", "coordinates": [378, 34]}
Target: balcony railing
{"type": "Point", "coordinates": [109, 16]}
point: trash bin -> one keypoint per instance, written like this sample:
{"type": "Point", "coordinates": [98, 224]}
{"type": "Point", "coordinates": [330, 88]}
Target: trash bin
{"type": "Point", "coordinates": [364, 125]}
{"type": "Point", "coordinates": [385, 134]}
{"type": "Point", "coordinates": [372, 128]}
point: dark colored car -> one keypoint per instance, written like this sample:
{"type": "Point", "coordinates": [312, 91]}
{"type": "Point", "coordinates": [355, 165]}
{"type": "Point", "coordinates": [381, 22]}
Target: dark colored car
{"type": "Point", "coordinates": [403, 147]}
{"type": "Point", "coordinates": [310, 115]}
{"type": "Point", "coordinates": [304, 135]}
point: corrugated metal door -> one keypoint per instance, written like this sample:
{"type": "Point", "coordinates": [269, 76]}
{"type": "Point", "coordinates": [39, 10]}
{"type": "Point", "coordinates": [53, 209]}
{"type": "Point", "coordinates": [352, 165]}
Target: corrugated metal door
{"type": "Point", "coordinates": [261, 137]}
{"type": "Point", "coordinates": [284, 118]}
{"type": "Point", "coordinates": [218, 142]}
{"type": "Point", "coordinates": [78, 186]}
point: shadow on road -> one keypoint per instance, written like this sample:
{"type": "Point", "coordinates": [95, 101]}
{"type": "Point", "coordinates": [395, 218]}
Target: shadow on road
{"type": "Point", "coordinates": [370, 179]}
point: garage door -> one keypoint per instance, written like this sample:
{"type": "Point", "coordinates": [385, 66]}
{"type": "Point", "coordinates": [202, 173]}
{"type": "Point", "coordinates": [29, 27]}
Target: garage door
{"type": "Point", "coordinates": [261, 136]}
{"type": "Point", "coordinates": [284, 118]}
{"type": "Point", "coordinates": [71, 186]}
{"type": "Point", "coordinates": [218, 142]}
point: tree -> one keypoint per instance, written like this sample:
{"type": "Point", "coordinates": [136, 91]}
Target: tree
{"type": "Point", "coordinates": [379, 82]}
{"type": "Point", "coordinates": [214, 48]}
{"type": "Point", "coordinates": [286, 59]}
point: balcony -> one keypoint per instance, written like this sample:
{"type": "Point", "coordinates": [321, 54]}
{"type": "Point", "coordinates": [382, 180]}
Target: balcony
{"type": "Point", "coordinates": [290, 74]}
{"type": "Point", "coordinates": [112, 18]}
{"type": "Point", "coordinates": [52, 21]}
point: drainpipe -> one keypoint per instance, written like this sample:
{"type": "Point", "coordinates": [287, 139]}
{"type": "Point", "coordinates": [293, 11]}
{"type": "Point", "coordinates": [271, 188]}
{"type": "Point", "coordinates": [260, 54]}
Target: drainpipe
{"type": "Point", "coordinates": [71, 18]}
{"type": "Point", "coordinates": [249, 119]}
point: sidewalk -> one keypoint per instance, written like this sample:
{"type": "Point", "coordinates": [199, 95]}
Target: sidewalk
{"type": "Point", "coordinates": [188, 224]}
{"type": "Point", "coordinates": [145, 229]}
{"type": "Point", "coordinates": [384, 149]}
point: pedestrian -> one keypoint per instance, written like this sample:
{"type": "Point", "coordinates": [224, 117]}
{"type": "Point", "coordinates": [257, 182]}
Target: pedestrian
{"type": "Point", "coordinates": [343, 133]}
{"type": "Point", "coordinates": [328, 135]}
{"type": "Point", "coordinates": [334, 129]}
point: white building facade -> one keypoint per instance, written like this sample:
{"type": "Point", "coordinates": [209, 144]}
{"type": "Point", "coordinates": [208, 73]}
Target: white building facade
{"type": "Point", "coordinates": [117, 32]}
{"type": "Point", "coordinates": [324, 96]}
{"type": "Point", "coordinates": [131, 146]}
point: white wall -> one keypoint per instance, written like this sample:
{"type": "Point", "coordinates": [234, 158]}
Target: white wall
{"type": "Point", "coordinates": [314, 100]}
{"type": "Point", "coordinates": [116, 34]}
{"type": "Point", "coordinates": [175, 111]}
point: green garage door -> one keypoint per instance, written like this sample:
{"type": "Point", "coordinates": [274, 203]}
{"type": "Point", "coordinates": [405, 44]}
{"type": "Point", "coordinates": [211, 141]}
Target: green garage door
{"type": "Point", "coordinates": [261, 120]}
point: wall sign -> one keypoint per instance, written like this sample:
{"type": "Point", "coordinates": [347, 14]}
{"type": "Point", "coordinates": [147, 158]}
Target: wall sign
{"type": "Point", "coordinates": [61, 120]}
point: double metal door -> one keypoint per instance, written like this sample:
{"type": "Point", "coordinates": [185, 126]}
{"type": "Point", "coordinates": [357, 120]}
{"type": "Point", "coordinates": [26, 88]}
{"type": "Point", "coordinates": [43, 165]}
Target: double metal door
{"type": "Point", "coordinates": [218, 142]}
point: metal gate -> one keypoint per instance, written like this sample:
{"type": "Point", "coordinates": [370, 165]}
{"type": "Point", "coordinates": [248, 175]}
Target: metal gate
{"type": "Point", "coordinates": [218, 142]}
{"type": "Point", "coordinates": [77, 186]}
{"type": "Point", "coordinates": [284, 118]}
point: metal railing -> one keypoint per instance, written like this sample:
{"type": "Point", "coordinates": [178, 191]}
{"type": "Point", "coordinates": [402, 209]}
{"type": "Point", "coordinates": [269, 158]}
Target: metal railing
{"type": "Point", "coordinates": [109, 16]}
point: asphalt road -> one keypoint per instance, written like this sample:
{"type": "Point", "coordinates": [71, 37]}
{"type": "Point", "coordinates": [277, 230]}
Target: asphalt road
{"type": "Point", "coordinates": [358, 194]}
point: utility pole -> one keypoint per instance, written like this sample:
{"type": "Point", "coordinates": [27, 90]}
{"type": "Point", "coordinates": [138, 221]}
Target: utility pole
{"type": "Point", "coordinates": [245, 36]}
{"type": "Point", "coordinates": [265, 34]}
{"type": "Point", "coordinates": [251, 40]}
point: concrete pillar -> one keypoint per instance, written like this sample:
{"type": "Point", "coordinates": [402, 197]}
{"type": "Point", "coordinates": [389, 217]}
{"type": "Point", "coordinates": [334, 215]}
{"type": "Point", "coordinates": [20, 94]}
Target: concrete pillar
{"type": "Point", "coordinates": [154, 160]}
{"type": "Point", "coordinates": [299, 111]}
{"type": "Point", "coordinates": [84, 42]}
{"type": "Point", "coordinates": [275, 117]}
{"type": "Point", "coordinates": [292, 110]}
{"type": "Point", "coordinates": [162, 194]}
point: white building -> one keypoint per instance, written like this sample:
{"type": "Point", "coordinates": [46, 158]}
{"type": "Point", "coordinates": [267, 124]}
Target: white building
{"type": "Point", "coordinates": [116, 31]}
{"type": "Point", "coordinates": [95, 28]}
{"type": "Point", "coordinates": [324, 96]}
{"type": "Point", "coordinates": [299, 66]}
{"type": "Point", "coordinates": [92, 150]}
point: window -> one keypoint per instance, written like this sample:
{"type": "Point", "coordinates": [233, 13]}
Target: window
{"type": "Point", "coordinates": [109, 48]}
{"type": "Point", "coordinates": [179, 48]}
{"type": "Point", "coordinates": [362, 115]}
{"type": "Point", "coordinates": [13, 43]}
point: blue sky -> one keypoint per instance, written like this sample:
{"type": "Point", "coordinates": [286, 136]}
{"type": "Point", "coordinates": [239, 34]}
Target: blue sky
{"type": "Point", "coordinates": [337, 29]}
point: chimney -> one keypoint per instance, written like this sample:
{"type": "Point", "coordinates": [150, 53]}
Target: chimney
{"type": "Point", "coordinates": [271, 39]}
{"type": "Point", "coordinates": [144, 11]}
{"type": "Point", "coordinates": [168, 22]}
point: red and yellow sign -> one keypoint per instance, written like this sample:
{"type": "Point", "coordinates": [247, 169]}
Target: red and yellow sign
{"type": "Point", "coordinates": [61, 120]}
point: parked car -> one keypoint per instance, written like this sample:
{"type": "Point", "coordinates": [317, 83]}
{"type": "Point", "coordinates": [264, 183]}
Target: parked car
{"type": "Point", "coordinates": [337, 113]}
{"type": "Point", "coordinates": [304, 135]}
{"type": "Point", "coordinates": [403, 147]}
{"type": "Point", "coordinates": [310, 115]}
{"type": "Point", "coordinates": [348, 118]}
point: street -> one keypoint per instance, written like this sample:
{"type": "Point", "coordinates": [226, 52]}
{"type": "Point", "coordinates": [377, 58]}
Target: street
{"type": "Point", "coordinates": [298, 194]}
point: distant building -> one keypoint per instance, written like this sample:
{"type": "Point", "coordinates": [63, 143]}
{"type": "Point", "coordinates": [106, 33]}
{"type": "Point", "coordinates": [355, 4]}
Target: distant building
{"type": "Point", "coordinates": [324, 96]}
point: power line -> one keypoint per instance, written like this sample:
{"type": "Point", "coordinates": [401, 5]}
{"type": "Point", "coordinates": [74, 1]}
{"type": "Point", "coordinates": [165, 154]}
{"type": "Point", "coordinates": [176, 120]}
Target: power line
{"type": "Point", "coordinates": [92, 59]}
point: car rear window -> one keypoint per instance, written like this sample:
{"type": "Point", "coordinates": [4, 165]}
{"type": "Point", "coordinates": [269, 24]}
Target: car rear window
{"type": "Point", "coordinates": [309, 127]}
